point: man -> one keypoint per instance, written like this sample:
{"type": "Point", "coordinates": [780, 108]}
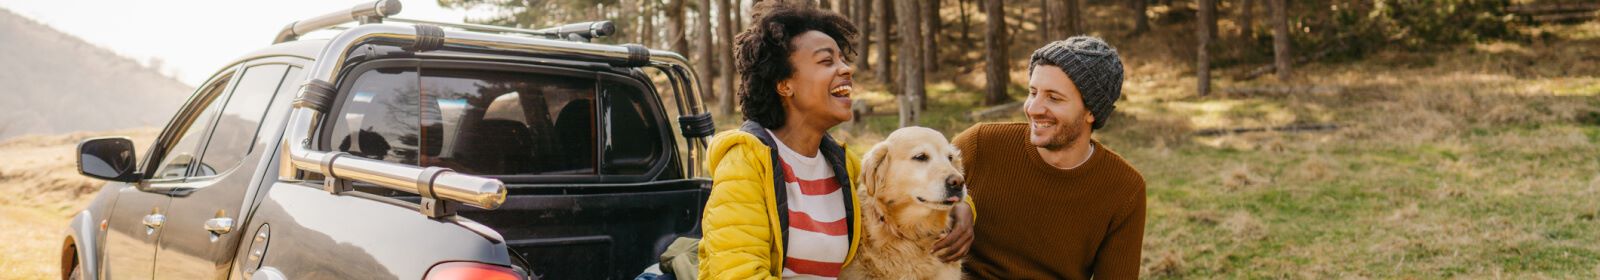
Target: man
{"type": "Point", "coordinates": [1056, 203]}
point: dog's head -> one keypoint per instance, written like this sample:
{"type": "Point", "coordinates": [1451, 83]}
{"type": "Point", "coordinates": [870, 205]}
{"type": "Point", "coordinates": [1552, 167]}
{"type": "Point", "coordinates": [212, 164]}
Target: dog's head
{"type": "Point", "coordinates": [914, 166]}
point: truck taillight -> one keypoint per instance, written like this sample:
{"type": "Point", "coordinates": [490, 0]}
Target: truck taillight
{"type": "Point", "coordinates": [471, 270]}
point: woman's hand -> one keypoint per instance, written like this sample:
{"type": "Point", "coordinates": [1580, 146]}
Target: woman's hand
{"type": "Point", "coordinates": [954, 244]}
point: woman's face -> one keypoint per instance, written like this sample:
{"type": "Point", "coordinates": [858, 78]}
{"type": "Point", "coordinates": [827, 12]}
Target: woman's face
{"type": "Point", "coordinates": [818, 91]}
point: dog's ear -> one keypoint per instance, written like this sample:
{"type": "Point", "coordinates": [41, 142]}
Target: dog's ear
{"type": "Point", "coordinates": [955, 158]}
{"type": "Point", "coordinates": [872, 165]}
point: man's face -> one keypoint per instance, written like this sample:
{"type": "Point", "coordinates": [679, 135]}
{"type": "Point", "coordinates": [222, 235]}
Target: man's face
{"type": "Point", "coordinates": [1055, 111]}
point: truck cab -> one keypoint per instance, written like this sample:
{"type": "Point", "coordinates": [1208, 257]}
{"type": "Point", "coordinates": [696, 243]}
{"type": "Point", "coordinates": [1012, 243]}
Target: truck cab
{"type": "Point", "coordinates": [406, 149]}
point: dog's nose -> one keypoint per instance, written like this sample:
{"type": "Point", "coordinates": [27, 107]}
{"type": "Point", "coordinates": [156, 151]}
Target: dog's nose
{"type": "Point", "coordinates": [953, 184]}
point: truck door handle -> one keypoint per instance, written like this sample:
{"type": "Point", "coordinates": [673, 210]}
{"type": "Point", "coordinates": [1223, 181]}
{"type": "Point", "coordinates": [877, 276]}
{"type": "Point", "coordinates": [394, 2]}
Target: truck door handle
{"type": "Point", "coordinates": [154, 221]}
{"type": "Point", "coordinates": [219, 225]}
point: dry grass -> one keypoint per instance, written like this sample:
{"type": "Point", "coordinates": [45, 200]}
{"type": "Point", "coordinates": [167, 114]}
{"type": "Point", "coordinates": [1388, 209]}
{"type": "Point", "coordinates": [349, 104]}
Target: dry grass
{"type": "Point", "coordinates": [1473, 163]}
{"type": "Point", "coordinates": [43, 169]}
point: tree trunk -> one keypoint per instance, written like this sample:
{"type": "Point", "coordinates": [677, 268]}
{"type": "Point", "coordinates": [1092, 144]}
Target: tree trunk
{"type": "Point", "coordinates": [1047, 27]}
{"type": "Point", "coordinates": [1072, 21]}
{"type": "Point", "coordinates": [1213, 20]}
{"type": "Point", "coordinates": [996, 69]}
{"type": "Point", "coordinates": [910, 22]}
{"type": "Point", "coordinates": [647, 24]}
{"type": "Point", "coordinates": [1247, 19]}
{"type": "Point", "coordinates": [1202, 59]}
{"type": "Point", "coordinates": [1280, 38]}
{"type": "Point", "coordinates": [847, 9]}
{"type": "Point", "coordinates": [738, 16]}
{"type": "Point", "coordinates": [725, 55]}
{"type": "Point", "coordinates": [886, 18]}
{"type": "Point", "coordinates": [826, 4]}
{"type": "Point", "coordinates": [930, 36]}
{"type": "Point", "coordinates": [966, 22]}
{"type": "Point", "coordinates": [1141, 20]}
{"type": "Point", "coordinates": [864, 42]}
{"type": "Point", "coordinates": [678, 38]}
{"type": "Point", "coordinates": [705, 61]}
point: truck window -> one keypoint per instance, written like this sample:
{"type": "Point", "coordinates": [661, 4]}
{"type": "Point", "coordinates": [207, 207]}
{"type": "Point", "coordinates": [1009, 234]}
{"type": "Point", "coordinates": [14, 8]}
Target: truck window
{"type": "Point", "coordinates": [236, 128]}
{"type": "Point", "coordinates": [180, 155]}
{"type": "Point", "coordinates": [508, 123]}
{"type": "Point", "coordinates": [634, 143]}
{"type": "Point", "coordinates": [475, 121]}
{"type": "Point", "coordinates": [378, 117]}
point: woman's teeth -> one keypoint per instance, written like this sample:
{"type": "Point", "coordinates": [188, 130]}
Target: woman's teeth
{"type": "Point", "coordinates": [841, 91]}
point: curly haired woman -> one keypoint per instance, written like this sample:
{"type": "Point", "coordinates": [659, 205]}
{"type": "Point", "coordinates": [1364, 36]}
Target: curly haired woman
{"type": "Point", "coordinates": [782, 202]}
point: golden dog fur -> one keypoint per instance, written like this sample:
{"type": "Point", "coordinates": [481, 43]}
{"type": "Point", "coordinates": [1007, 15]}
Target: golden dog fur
{"type": "Point", "coordinates": [905, 206]}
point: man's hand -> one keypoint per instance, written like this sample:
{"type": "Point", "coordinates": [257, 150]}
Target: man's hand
{"type": "Point", "coordinates": [954, 244]}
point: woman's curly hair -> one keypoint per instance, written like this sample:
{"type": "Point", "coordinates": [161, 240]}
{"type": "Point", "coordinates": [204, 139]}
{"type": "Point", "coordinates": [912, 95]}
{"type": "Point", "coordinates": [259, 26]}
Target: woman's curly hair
{"type": "Point", "coordinates": [762, 53]}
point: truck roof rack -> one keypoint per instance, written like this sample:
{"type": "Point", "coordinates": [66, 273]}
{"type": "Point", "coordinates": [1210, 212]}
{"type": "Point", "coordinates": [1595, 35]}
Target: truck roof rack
{"type": "Point", "coordinates": [380, 10]}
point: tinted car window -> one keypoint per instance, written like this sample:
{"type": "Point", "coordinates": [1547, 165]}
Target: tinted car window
{"type": "Point", "coordinates": [378, 118]}
{"type": "Point", "coordinates": [180, 156]}
{"type": "Point", "coordinates": [508, 123]}
{"type": "Point", "coordinates": [635, 143]}
{"type": "Point", "coordinates": [241, 117]}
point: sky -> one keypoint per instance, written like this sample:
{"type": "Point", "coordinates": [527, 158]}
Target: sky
{"type": "Point", "coordinates": [193, 38]}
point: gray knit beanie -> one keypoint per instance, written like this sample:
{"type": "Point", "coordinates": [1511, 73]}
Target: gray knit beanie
{"type": "Point", "coordinates": [1093, 66]}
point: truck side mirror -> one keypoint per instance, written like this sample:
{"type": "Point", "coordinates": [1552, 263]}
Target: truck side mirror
{"type": "Point", "coordinates": [108, 158]}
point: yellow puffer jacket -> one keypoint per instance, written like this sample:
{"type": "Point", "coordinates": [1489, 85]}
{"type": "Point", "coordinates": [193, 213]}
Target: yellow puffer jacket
{"type": "Point", "coordinates": [742, 236]}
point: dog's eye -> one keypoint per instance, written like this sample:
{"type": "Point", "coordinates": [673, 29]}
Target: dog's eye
{"type": "Point", "coordinates": [920, 157]}
{"type": "Point", "coordinates": [950, 158]}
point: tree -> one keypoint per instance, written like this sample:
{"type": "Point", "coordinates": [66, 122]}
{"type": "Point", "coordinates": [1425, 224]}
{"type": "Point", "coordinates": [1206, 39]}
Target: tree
{"type": "Point", "coordinates": [1141, 20]}
{"type": "Point", "coordinates": [864, 43]}
{"type": "Point", "coordinates": [1070, 20]}
{"type": "Point", "coordinates": [886, 15]}
{"type": "Point", "coordinates": [996, 71]}
{"type": "Point", "coordinates": [910, 22]}
{"type": "Point", "coordinates": [679, 39]}
{"type": "Point", "coordinates": [1212, 22]}
{"type": "Point", "coordinates": [1047, 27]}
{"type": "Point", "coordinates": [1247, 21]}
{"type": "Point", "coordinates": [1280, 38]}
{"type": "Point", "coordinates": [725, 61]}
{"type": "Point", "coordinates": [1202, 67]}
{"type": "Point", "coordinates": [647, 24]}
{"type": "Point", "coordinates": [930, 40]}
{"type": "Point", "coordinates": [705, 60]}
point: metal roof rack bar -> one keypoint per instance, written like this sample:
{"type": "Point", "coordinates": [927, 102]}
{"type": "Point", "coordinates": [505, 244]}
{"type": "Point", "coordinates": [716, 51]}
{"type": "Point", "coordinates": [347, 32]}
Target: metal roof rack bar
{"type": "Point", "coordinates": [582, 31]}
{"type": "Point", "coordinates": [373, 12]}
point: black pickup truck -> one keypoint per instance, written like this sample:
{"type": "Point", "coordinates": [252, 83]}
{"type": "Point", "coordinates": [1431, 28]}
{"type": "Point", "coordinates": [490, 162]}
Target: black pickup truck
{"type": "Point", "coordinates": [406, 149]}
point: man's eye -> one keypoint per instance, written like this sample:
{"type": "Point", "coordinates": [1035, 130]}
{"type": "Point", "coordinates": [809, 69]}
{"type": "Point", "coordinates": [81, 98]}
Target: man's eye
{"type": "Point", "coordinates": [920, 157]}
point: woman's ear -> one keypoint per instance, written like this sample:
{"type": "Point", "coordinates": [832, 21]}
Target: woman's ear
{"type": "Point", "coordinates": [873, 163]}
{"type": "Point", "coordinates": [784, 89]}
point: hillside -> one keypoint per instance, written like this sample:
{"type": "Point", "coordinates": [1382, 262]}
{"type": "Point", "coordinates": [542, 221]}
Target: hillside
{"type": "Point", "coordinates": [54, 83]}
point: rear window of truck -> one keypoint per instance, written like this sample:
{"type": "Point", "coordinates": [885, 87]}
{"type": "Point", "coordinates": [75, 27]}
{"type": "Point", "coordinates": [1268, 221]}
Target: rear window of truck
{"type": "Point", "coordinates": [497, 122]}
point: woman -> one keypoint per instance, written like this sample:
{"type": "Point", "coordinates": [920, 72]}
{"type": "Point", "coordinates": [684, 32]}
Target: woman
{"type": "Point", "coordinates": [782, 202]}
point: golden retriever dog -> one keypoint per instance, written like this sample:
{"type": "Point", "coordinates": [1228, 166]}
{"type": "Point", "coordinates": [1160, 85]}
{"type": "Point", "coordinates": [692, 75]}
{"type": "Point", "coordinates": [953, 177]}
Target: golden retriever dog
{"type": "Point", "coordinates": [909, 183]}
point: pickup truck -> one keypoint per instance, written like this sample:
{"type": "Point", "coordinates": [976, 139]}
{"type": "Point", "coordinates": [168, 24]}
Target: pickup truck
{"type": "Point", "coordinates": [407, 149]}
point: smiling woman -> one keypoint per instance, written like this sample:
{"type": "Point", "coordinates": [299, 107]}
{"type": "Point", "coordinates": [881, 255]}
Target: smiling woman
{"type": "Point", "coordinates": [781, 179]}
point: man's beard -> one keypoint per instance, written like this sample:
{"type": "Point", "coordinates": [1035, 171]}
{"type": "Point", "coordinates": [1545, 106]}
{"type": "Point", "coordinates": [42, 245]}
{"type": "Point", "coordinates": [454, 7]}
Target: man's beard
{"type": "Point", "coordinates": [1064, 138]}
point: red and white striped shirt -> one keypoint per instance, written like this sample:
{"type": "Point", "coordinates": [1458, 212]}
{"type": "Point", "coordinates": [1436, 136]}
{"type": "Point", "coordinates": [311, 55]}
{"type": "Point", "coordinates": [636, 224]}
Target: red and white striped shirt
{"type": "Point", "coordinates": [818, 233]}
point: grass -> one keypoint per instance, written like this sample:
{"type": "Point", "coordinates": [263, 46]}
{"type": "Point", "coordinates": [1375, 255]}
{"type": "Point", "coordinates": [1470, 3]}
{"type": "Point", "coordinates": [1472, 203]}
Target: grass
{"type": "Point", "coordinates": [1479, 162]}
{"type": "Point", "coordinates": [1474, 163]}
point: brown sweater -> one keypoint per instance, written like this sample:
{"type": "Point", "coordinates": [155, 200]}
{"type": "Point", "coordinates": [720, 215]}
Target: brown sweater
{"type": "Point", "coordinates": [1041, 222]}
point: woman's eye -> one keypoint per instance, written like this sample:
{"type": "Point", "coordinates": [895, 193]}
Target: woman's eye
{"type": "Point", "coordinates": [920, 157]}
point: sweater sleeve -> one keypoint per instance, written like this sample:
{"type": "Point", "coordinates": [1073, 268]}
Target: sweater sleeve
{"type": "Point", "coordinates": [1118, 257]}
{"type": "Point", "coordinates": [737, 238]}
{"type": "Point", "coordinates": [967, 144]}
